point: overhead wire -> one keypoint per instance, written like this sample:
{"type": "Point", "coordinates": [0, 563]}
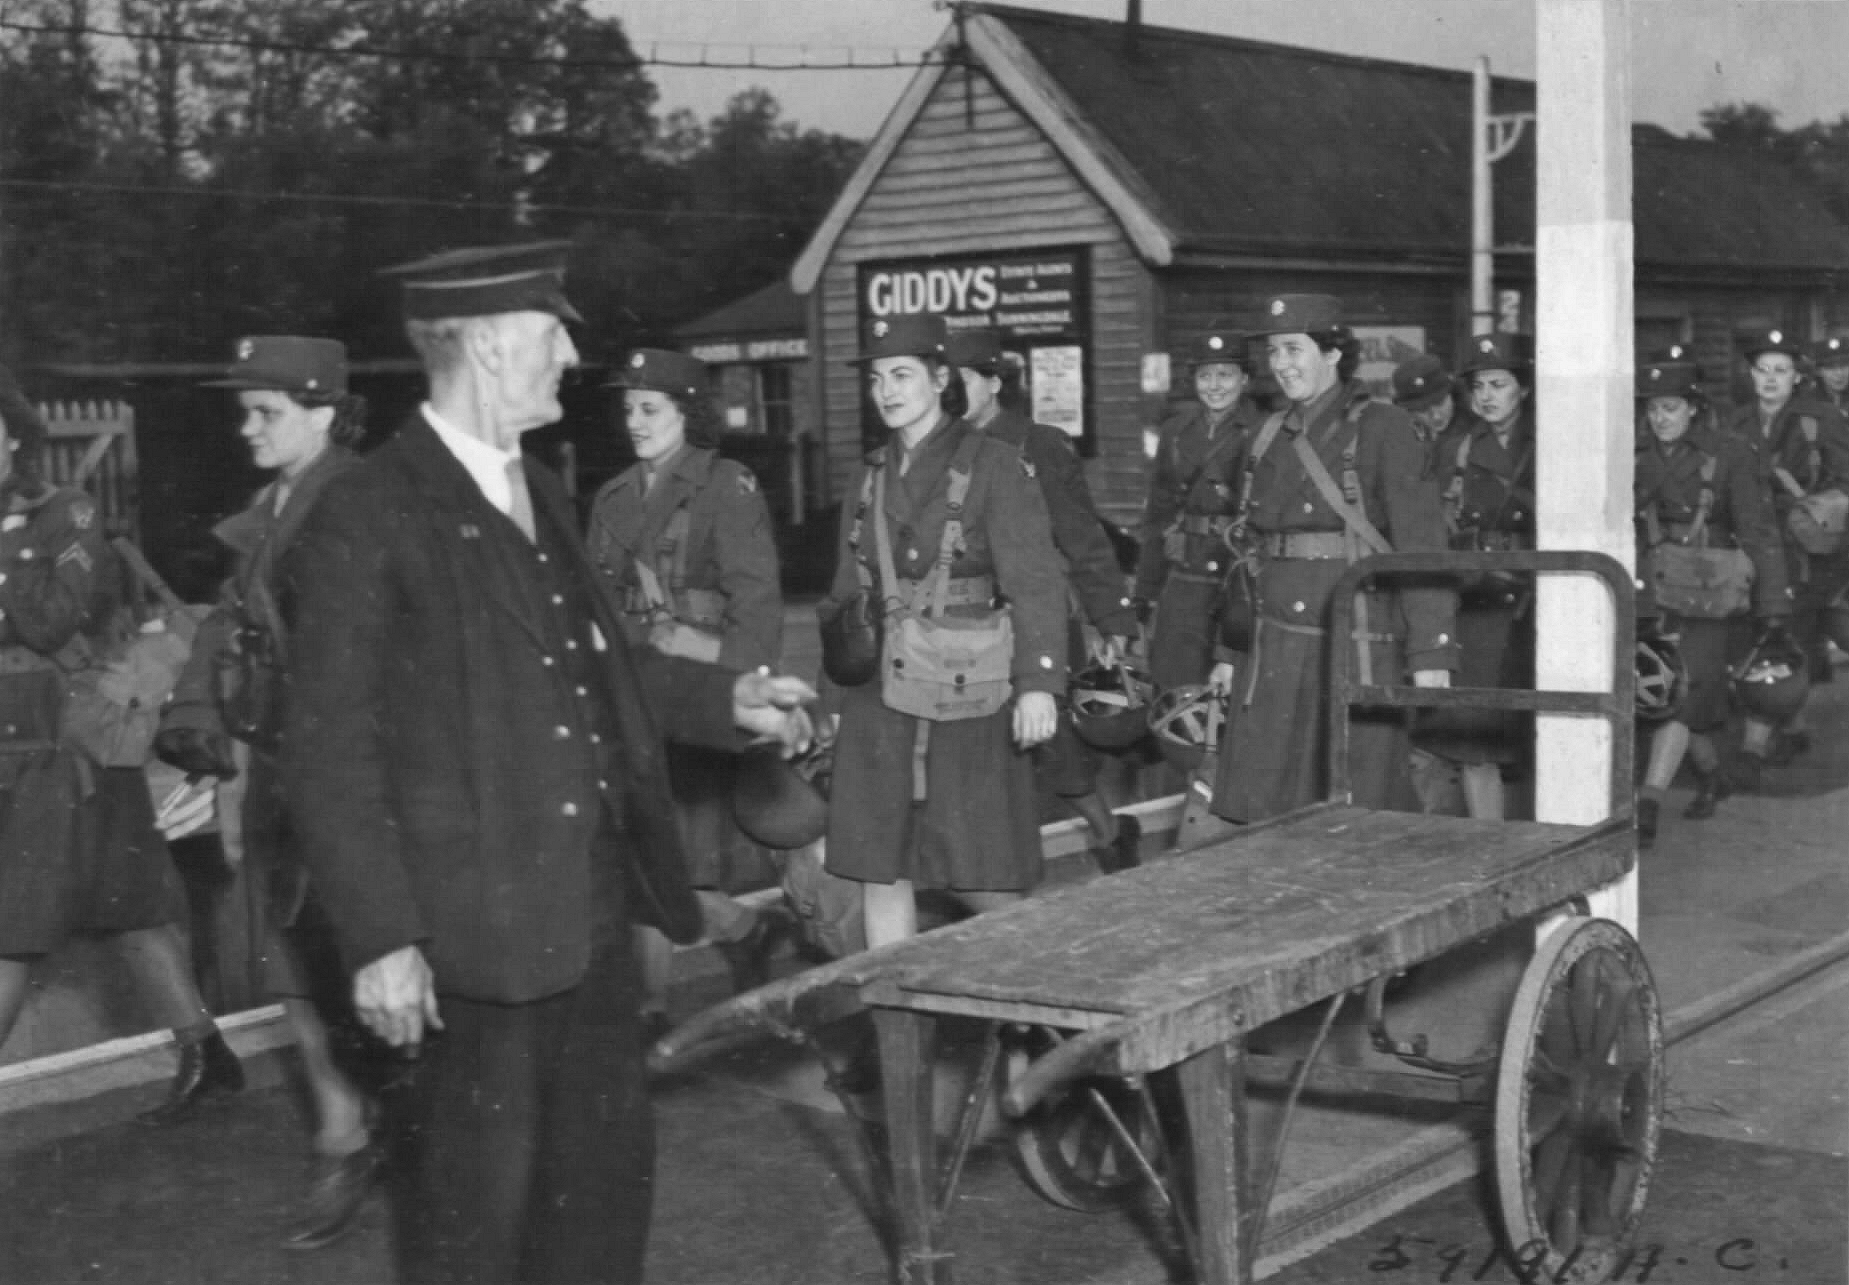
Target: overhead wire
{"type": "Point", "coordinates": [895, 59]}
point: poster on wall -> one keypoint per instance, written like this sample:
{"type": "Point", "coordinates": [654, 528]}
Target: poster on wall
{"type": "Point", "coordinates": [1056, 380]}
{"type": "Point", "coordinates": [1382, 349]}
{"type": "Point", "coordinates": [1038, 299]}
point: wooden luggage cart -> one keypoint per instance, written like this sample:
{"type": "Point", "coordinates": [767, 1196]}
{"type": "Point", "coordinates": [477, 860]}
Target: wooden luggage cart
{"type": "Point", "coordinates": [1127, 1015]}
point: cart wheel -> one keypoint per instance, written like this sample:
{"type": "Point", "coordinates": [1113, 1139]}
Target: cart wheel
{"type": "Point", "coordinates": [1069, 1151]}
{"type": "Point", "coordinates": [1579, 1102]}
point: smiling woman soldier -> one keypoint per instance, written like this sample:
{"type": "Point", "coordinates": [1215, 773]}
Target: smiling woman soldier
{"type": "Point", "coordinates": [1308, 528]}
{"type": "Point", "coordinates": [684, 538]}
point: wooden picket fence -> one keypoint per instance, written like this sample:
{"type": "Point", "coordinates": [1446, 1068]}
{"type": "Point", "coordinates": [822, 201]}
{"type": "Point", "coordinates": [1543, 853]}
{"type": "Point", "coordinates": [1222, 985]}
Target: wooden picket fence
{"type": "Point", "coordinates": [92, 445]}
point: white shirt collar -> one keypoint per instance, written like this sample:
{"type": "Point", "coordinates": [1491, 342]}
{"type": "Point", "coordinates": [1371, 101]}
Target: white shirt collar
{"type": "Point", "coordinates": [485, 463]}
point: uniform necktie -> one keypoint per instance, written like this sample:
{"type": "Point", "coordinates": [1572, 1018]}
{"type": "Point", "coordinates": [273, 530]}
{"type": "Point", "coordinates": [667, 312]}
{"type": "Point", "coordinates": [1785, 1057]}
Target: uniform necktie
{"type": "Point", "coordinates": [521, 507]}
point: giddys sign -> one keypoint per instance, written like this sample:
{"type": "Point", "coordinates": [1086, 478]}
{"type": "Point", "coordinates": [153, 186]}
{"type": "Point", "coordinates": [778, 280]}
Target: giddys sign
{"type": "Point", "coordinates": [1023, 294]}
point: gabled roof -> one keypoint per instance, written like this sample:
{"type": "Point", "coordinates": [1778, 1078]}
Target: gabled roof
{"type": "Point", "coordinates": [1212, 145]}
{"type": "Point", "coordinates": [774, 310]}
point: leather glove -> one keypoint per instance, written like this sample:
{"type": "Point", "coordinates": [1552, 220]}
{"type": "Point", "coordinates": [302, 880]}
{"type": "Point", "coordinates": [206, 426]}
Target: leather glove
{"type": "Point", "coordinates": [196, 751]}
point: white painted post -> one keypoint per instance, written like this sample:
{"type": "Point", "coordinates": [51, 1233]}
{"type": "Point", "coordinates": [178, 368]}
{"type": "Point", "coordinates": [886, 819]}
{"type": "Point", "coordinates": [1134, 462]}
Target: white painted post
{"type": "Point", "coordinates": [1584, 374]}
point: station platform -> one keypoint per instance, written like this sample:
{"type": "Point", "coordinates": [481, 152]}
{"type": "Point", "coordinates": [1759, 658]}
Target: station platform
{"type": "Point", "coordinates": [760, 1178]}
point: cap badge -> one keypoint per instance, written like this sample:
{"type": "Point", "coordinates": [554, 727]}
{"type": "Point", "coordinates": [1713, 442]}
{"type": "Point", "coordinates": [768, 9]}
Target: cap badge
{"type": "Point", "coordinates": [1277, 307]}
{"type": "Point", "coordinates": [1418, 382]}
{"type": "Point", "coordinates": [1656, 373]}
{"type": "Point", "coordinates": [1487, 345]}
{"type": "Point", "coordinates": [1776, 337]}
{"type": "Point", "coordinates": [637, 359]}
{"type": "Point", "coordinates": [1216, 343]}
{"type": "Point", "coordinates": [246, 349]}
{"type": "Point", "coordinates": [879, 329]}
{"type": "Point", "coordinates": [311, 383]}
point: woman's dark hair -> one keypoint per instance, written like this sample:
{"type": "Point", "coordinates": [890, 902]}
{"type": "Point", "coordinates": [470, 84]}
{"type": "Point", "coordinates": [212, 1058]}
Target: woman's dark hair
{"type": "Point", "coordinates": [1342, 339]}
{"type": "Point", "coordinates": [704, 426]}
{"type": "Point", "coordinates": [349, 426]}
{"type": "Point", "coordinates": [23, 426]}
{"type": "Point", "coordinates": [955, 398]}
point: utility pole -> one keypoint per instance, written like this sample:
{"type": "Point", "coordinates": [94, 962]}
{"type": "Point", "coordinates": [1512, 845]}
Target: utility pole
{"type": "Point", "coordinates": [1583, 389]}
{"type": "Point", "coordinates": [1492, 137]}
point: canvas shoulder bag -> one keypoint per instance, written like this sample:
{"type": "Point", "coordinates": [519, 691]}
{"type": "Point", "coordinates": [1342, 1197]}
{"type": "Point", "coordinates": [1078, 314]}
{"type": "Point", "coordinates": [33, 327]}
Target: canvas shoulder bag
{"type": "Point", "coordinates": [1688, 577]}
{"type": "Point", "coordinates": [935, 666]}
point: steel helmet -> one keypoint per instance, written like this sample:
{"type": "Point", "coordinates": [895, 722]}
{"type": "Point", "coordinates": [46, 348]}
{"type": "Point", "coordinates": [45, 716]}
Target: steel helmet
{"type": "Point", "coordinates": [779, 802]}
{"type": "Point", "coordinates": [1774, 678]}
{"type": "Point", "coordinates": [1110, 705]}
{"type": "Point", "coordinates": [1187, 721]}
{"type": "Point", "coordinates": [1662, 680]}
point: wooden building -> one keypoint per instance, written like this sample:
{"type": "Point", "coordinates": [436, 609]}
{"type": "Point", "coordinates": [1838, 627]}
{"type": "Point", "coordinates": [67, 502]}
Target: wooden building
{"type": "Point", "coordinates": [1101, 191]}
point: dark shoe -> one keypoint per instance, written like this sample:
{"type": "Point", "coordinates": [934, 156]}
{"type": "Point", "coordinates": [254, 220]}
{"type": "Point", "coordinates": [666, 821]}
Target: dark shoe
{"type": "Point", "coordinates": [206, 1068]}
{"type": "Point", "coordinates": [1710, 789]}
{"type": "Point", "coordinates": [748, 957]}
{"type": "Point", "coordinates": [1647, 810]}
{"type": "Point", "coordinates": [337, 1187]}
{"type": "Point", "coordinates": [1125, 851]}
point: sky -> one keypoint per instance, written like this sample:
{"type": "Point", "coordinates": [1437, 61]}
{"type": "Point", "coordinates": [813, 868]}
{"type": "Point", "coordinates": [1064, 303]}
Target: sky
{"type": "Point", "coordinates": [1792, 55]}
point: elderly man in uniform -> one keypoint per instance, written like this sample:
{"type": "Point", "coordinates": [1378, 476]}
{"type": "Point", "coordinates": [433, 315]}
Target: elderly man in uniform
{"type": "Point", "coordinates": [1801, 446]}
{"type": "Point", "coordinates": [1068, 767]}
{"type": "Point", "coordinates": [474, 765]}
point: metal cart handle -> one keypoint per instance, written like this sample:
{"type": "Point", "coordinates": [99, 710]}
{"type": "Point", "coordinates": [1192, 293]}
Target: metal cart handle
{"type": "Point", "coordinates": [1618, 705]}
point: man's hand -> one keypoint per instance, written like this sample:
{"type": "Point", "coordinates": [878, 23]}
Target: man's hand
{"type": "Point", "coordinates": [1431, 678]}
{"type": "Point", "coordinates": [770, 706]}
{"type": "Point", "coordinates": [396, 997]}
{"type": "Point", "coordinates": [1036, 718]}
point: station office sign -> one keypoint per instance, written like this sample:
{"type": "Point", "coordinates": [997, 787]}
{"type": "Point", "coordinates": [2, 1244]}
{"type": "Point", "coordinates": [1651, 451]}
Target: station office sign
{"type": "Point", "coordinates": [728, 352]}
{"type": "Point", "coordinates": [1036, 298]}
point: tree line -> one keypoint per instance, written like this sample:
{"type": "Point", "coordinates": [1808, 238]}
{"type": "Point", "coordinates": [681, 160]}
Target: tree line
{"type": "Point", "coordinates": [177, 172]}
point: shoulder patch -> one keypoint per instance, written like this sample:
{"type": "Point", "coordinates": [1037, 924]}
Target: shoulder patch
{"type": "Point", "coordinates": [1027, 467]}
{"type": "Point", "coordinates": [747, 482]}
{"type": "Point", "coordinates": [78, 554]}
{"type": "Point", "coordinates": [83, 513]}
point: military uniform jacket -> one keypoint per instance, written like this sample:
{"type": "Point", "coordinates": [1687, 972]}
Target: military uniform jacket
{"type": "Point", "coordinates": [1494, 492]}
{"type": "Point", "coordinates": [1669, 479]}
{"type": "Point", "coordinates": [1078, 532]}
{"type": "Point", "coordinates": [446, 773]}
{"type": "Point", "coordinates": [1784, 444]}
{"type": "Point", "coordinates": [730, 548]}
{"type": "Point", "coordinates": [1006, 534]}
{"type": "Point", "coordinates": [256, 537]}
{"type": "Point", "coordinates": [58, 578]}
{"type": "Point", "coordinates": [1195, 475]}
{"type": "Point", "coordinates": [1397, 495]}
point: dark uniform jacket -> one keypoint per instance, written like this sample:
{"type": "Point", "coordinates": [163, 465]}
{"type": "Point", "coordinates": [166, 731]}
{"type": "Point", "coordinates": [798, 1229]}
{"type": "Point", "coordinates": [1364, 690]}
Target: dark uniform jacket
{"type": "Point", "coordinates": [1785, 443]}
{"type": "Point", "coordinates": [729, 550]}
{"type": "Point", "coordinates": [1194, 479]}
{"type": "Point", "coordinates": [55, 573]}
{"type": "Point", "coordinates": [443, 749]}
{"type": "Point", "coordinates": [1489, 501]}
{"type": "Point", "coordinates": [1397, 496]}
{"type": "Point", "coordinates": [1078, 532]}
{"type": "Point", "coordinates": [256, 537]}
{"type": "Point", "coordinates": [1006, 534]}
{"type": "Point", "coordinates": [1669, 484]}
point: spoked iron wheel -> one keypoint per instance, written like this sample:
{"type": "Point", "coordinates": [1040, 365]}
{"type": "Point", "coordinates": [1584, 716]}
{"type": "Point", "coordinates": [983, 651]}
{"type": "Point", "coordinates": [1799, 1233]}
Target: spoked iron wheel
{"type": "Point", "coordinates": [1579, 1102]}
{"type": "Point", "coordinates": [1078, 1146]}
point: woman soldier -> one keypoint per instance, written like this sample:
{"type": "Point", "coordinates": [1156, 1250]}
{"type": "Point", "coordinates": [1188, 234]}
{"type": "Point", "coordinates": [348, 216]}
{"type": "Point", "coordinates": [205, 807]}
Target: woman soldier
{"type": "Point", "coordinates": [918, 803]}
{"type": "Point", "coordinates": [1698, 486]}
{"type": "Point", "coordinates": [1486, 475]}
{"type": "Point", "coordinates": [1801, 446]}
{"type": "Point", "coordinates": [300, 421]}
{"type": "Point", "coordinates": [1307, 528]}
{"type": "Point", "coordinates": [684, 538]}
{"type": "Point", "coordinates": [1184, 560]}
{"type": "Point", "coordinates": [79, 850]}
{"type": "Point", "coordinates": [1069, 767]}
